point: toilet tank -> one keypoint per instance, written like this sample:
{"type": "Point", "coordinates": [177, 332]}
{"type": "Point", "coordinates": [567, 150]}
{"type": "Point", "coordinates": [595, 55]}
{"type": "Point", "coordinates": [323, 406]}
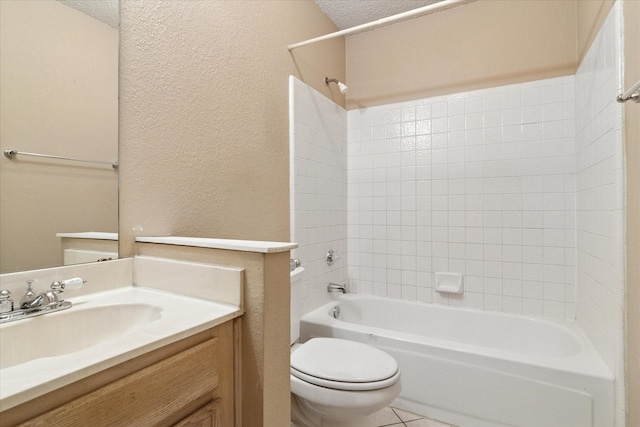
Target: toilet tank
{"type": "Point", "coordinates": [296, 302]}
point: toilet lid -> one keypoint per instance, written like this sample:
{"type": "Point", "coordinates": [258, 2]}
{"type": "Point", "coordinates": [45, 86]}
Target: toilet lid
{"type": "Point", "coordinates": [343, 365]}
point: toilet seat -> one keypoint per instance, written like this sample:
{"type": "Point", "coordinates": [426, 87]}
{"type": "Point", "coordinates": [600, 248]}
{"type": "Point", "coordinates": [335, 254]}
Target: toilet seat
{"type": "Point", "coordinates": [343, 365]}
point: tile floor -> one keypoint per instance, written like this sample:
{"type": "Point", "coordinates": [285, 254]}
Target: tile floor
{"type": "Point", "coordinates": [397, 417]}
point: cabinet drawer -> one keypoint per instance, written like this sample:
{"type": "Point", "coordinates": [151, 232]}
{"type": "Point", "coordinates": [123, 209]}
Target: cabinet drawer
{"type": "Point", "coordinates": [149, 397]}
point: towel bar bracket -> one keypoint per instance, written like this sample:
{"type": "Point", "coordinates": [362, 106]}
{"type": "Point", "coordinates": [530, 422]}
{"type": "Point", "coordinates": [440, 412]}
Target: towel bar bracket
{"type": "Point", "coordinates": [635, 97]}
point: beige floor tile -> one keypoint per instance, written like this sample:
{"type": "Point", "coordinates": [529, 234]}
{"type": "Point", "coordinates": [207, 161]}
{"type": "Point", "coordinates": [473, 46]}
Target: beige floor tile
{"type": "Point", "coordinates": [426, 423]}
{"type": "Point", "coordinates": [406, 416]}
{"type": "Point", "coordinates": [387, 417]}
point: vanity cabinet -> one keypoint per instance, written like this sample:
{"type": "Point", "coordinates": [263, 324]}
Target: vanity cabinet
{"type": "Point", "coordinates": [188, 383]}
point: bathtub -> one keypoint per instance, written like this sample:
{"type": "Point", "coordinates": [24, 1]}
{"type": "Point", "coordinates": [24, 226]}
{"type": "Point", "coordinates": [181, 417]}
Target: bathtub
{"type": "Point", "coordinates": [475, 368]}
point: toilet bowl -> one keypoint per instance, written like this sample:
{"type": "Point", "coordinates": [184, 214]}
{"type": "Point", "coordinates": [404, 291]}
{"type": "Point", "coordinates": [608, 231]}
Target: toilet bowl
{"type": "Point", "coordinates": [340, 383]}
{"type": "Point", "coordinates": [336, 382]}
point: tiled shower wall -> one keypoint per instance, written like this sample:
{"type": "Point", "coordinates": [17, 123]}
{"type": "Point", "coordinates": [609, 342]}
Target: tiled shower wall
{"type": "Point", "coordinates": [600, 199]}
{"type": "Point", "coordinates": [480, 183]}
{"type": "Point", "coordinates": [318, 177]}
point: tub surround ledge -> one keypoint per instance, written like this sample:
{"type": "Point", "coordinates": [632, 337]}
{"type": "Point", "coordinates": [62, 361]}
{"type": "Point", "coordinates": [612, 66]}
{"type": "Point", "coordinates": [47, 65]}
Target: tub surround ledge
{"type": "Point", "coordinates": [233, 245]}
{"type": "Point", "coordinates": [93, 235]}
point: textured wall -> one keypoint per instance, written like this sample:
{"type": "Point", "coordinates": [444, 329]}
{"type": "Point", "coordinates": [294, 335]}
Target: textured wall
{"type": "Point", "coordinates": [59, 96]}
{"type": "Point", "coordinates": [461, 49]}
{"type": "Point", "coordinates": [204, 113]}
{"type": "Point", "coordinates": [204, 145]}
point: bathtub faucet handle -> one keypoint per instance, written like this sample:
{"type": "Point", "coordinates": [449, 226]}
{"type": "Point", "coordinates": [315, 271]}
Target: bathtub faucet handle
{"type": "Point", "coordinates": [337, 287]}
{"type": "Point", "coordinates": [332, 256]}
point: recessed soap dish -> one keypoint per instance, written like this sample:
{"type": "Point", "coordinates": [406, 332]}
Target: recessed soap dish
{"type": "Point", "coordinates": [450, 283]}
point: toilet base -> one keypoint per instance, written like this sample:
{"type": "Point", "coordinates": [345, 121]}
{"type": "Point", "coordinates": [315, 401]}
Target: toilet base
{"type": "Point", "coordinates": [305, 418]}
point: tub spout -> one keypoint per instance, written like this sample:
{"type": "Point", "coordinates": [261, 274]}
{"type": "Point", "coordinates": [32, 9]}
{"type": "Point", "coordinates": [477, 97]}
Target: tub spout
{"type": "Point", "coordinates": [337, 287]}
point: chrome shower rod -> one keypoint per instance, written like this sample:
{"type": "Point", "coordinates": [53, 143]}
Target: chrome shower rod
{"type": "Point", "coordinates": [446, 4]}
{"type": "Point", "coordinates": [632, 93]}
{"type": "Point", "coordinates": [11, 154]}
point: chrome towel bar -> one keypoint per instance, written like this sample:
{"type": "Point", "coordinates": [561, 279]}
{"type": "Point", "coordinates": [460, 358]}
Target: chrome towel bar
{"type": "Point", "coordinates": [11, 154]}
{"type": "Point", "coordinates": [630, 94]}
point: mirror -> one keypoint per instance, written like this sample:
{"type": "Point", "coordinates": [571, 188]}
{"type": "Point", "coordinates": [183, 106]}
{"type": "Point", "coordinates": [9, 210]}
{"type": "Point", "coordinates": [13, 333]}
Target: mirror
{"type": "Point", "coordinates": [58, 97]}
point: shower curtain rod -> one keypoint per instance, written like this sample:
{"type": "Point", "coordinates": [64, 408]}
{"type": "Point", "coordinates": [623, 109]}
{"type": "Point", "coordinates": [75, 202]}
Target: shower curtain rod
{"type": "Point", "coordinates": [446, 4]}
{"type": "Point", "coordinates": [632, 94]}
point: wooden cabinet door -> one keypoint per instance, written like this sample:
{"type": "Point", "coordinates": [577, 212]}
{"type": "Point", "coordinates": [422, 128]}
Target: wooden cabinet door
{"type": "Point", "coordinates": [146, 398]}
{"type": "Point", "coordinates": [206, 416]}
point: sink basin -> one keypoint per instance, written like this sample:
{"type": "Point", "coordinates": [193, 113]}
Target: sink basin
{"type": "Point", "coordinates": [70, 331]}
{"type": "Point", "coordinates": [101, 330]}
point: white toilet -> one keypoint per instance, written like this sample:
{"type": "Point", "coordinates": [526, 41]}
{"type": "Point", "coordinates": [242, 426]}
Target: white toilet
{"type": "Point", "coordinates": [335, 382]}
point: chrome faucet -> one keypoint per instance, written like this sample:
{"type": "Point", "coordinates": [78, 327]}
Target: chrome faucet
{"type": "Point", "coordinates": [29, 297]}
{"type": "Point", "coordinates": [34, 305]}
{"type": "Point", "coordinates": [41, 300]}
{"type": "Point", "coordinates": [337, 287]}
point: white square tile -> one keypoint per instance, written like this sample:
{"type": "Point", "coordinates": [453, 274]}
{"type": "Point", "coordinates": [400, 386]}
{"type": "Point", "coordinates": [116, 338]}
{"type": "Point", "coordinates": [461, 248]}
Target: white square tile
{"type": "Point", "coordinates": [531, 95]}
{"type": "Point", "coordinates": [512, 116]}
{"type": "Point", "coordinates": [512, 253]}
{"type": "Point", "coordinates": [532, 307]}
{"type": "Point", "coordinates": [493, 302]}
{"type": "Point", "coordinates": [553, 309]}
{"type": "Point", "coordinates": [534, 114]}
{"type": "Point", "coordinates": [512, 236]}
{"type": "Point", "coordinates": [491, 101]}
{"type": "Point", "coordinates": [533, 272]}
{"type": "Point", "coordinates": [533, 289]}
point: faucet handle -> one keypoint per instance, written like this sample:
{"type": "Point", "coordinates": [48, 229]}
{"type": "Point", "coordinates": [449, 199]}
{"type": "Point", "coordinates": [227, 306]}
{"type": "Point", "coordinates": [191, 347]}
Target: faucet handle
{"type": "Point", "coordinates": [58, 287]}
{"type": "Point", "coordinates": [332, 256]}
{"type": "Point", "coordinates": [75, 283]}
{"type": "Point", "coordinates": [6, 303]}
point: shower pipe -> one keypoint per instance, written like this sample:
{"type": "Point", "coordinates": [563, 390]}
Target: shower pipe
{"type": "Point", "coordinates": [442, 5]}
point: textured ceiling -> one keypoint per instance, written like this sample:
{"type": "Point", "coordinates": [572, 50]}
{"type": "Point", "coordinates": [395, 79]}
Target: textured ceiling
{"type": "Point", "coordinates": [343, 13]}
{"type": "Point", "coordinates": [106, 11]}
{"type": "Point", "coordinates": [349, 13]}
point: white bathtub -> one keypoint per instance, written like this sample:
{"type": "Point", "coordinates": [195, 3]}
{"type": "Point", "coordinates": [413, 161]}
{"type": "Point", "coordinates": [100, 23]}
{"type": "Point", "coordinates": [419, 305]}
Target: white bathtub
{"type": "Point", "coordinates": [475, 368]}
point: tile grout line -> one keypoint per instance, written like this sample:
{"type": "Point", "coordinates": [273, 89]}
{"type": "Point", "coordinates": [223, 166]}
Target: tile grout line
{"type": "Point", "coordinates": [401, 420]}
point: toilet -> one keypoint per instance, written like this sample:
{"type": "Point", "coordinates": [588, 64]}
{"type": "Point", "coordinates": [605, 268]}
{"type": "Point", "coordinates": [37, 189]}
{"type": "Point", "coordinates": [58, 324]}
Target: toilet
{"type": "Point", "coordinates": [336, 382]}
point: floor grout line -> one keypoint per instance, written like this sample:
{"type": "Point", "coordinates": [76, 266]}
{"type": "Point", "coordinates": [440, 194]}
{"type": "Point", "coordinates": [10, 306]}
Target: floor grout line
{"type": "Point", "coordinates": [407, 414]}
